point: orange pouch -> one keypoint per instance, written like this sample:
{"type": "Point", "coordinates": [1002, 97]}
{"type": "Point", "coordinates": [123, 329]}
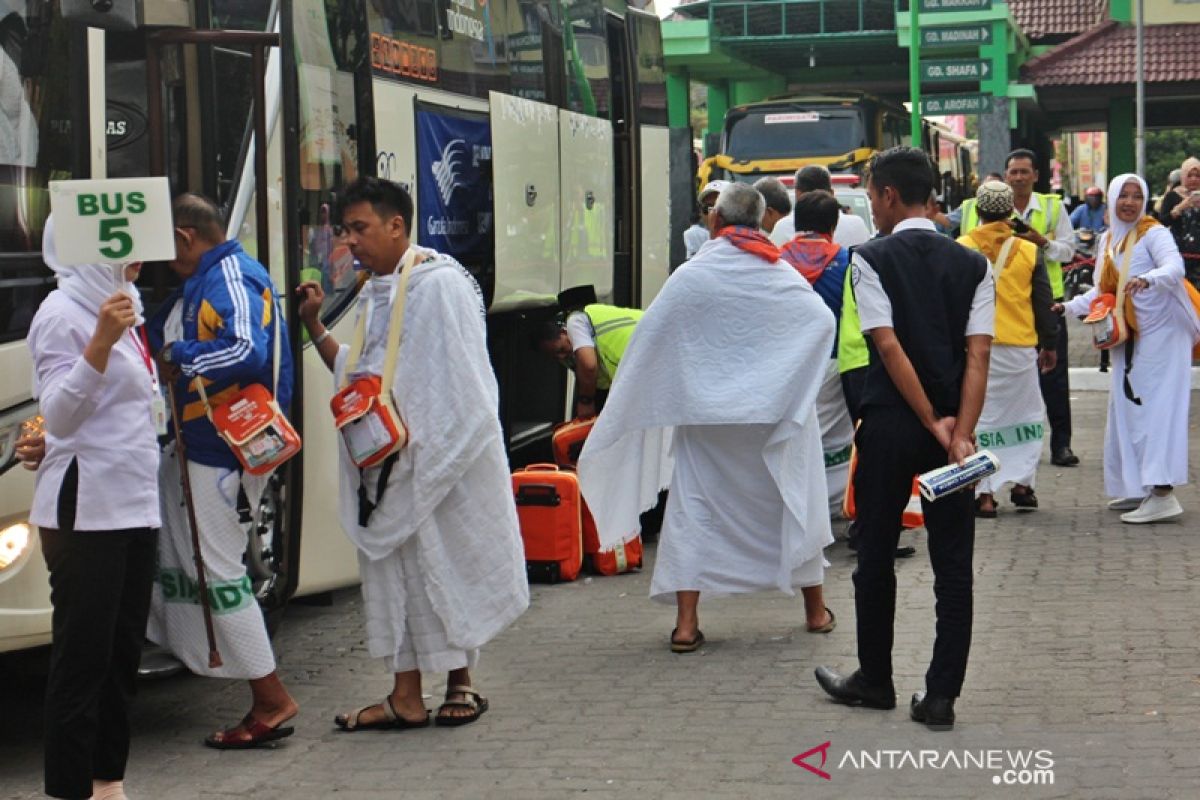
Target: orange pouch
{"type": "Point", "coordinates": [1107, 330]}
{"type": "Point", "coordinates": [257, 432]}
{"type": "Point", "coordinates": [370, 426]}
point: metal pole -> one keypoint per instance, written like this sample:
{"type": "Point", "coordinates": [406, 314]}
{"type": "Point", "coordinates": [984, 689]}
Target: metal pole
{"type": "Point", "coordinates": [914, 70]}
{"type": "Point", "coordinates": [262, 220]}
{"type": "Point", "coordinates": [1140, 100]}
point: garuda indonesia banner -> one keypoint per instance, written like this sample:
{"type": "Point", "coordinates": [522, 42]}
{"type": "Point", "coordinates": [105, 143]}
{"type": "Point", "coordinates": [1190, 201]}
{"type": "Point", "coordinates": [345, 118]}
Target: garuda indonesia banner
{"type": "Point", "coordinates": [454, 186]}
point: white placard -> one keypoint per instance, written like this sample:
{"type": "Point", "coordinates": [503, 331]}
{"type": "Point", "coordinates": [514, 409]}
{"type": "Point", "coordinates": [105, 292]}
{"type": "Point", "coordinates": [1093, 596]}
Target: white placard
{"type": "Point", "coordinates": [118, 220]}
{"type": "Point", "coordinates": [798, 116]}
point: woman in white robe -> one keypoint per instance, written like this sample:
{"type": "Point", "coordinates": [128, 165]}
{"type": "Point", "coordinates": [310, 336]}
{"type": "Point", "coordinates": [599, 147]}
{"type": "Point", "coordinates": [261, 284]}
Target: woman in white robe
{"type": "Point", "coordinates": [1146, 439]}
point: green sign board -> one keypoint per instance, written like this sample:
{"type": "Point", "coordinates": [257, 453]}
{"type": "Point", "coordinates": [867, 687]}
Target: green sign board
{"type": "Point", "coordinates": [960, 36]}
{"type": "Point", "coordinates": [946, 104]}
{"type": "Point", "coordinates": [956, 5]}
{"type": "Point", "coordinates": [947, 71]}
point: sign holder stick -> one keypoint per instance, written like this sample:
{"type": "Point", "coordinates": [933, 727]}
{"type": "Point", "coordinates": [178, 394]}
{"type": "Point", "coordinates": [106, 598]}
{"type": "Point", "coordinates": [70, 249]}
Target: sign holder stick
{"type": "Point", "coordinates": [214, 656]}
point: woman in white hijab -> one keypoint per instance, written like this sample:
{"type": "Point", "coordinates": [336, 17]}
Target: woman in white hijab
{"type": "Point", "coordinates": [96, 506]}
{"type": "Point", "coordinates": [1146, 440]}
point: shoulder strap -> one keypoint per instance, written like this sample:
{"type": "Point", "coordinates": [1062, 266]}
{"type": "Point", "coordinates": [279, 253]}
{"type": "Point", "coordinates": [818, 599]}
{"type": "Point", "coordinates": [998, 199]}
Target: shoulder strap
{"type": "Point", "coordinates": [396, 324]}
{"type": "Point", "coordinates": [359, 340]}
{"type": "Point", "coordinates": [1004, 256]}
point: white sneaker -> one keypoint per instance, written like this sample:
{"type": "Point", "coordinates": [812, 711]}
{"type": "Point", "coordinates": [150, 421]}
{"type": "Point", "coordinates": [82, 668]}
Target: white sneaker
{"type": "Point", "coordinates": [1125, 503]}
{"type": "Point", "coordinates": [1155, 508]}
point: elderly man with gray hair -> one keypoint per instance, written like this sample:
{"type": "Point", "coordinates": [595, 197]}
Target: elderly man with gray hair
{"type": "Point", "coordinates": [747, 506]}
{"type": "Point", "coordinates": [851, 231]}
{"type": "Point", "coordinates": [779, 204]}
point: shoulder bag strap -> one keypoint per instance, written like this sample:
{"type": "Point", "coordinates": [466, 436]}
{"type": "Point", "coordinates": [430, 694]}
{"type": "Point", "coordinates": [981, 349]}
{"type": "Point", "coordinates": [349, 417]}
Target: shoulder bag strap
{"type": "Point", "coordinates": [275, 352]}
{"type": "Point", "coordinates": [1004, 256]}
{"type": "Point", "coordinates": [396, 324]}
{"type": "Point", "coordinates": [356, 348]}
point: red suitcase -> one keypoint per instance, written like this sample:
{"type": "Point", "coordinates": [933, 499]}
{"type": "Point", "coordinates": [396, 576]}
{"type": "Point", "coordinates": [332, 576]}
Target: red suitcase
{"type": "Point", "coordinates": [568, 440]}
{"type": "Point", "coordinates": [549, 508]}
{"type": "Point", "coordinates": [609, 562]}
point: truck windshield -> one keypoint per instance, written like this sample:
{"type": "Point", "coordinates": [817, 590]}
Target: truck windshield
{"type": "Point", "coordinates": [793, 132]}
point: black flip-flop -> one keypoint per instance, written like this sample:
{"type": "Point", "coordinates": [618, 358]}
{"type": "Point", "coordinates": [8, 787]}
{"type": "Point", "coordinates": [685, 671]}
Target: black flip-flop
{"type": "Point", "coordinates": [391, 720]}
{"type": "Point", "coordinates": [982, 513]}
{"type": "Point", "coordinates": [476, 702]}
{"type": "Point", "coordinates": [259, 733]}
{"type": "Point", "coordinates": [689, 646]}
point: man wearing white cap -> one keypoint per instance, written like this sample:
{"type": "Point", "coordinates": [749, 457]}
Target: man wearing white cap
{"type": "Point", "coordinates": [1011, 422]}
{"type": "Point", "coordinates": [695, 236]}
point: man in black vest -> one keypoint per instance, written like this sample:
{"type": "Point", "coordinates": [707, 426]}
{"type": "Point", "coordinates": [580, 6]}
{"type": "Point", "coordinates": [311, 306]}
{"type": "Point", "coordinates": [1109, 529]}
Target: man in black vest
{"type": "Point", "coordinates": [927, 306]}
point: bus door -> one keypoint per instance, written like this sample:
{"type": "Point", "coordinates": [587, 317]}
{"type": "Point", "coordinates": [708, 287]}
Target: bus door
{"type": "Point", "coordinates": [622, 108]}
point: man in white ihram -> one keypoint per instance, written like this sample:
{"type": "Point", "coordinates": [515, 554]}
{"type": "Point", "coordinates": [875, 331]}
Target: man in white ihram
{"type": "Point", "coordinates": [729, 357]}
{"type": "Point", "coordinates": [439, 549]}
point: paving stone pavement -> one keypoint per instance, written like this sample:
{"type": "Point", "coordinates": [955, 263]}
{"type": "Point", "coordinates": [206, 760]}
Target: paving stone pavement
{"type": "Point", "coordinates": [1085, 646]}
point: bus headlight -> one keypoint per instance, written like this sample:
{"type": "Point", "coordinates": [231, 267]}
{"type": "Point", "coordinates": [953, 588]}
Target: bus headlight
{"type": "Point", "coordinates": [14, 542]}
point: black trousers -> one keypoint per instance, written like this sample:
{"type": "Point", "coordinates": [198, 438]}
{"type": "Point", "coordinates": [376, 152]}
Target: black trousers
{"type": "Point", "coordinates": [1056, 393]}
{"type": "Point", "coordinates": [853, 383]}
{"type": "Point", "coordinates": [100, 588]}
{"type": "Point", "coordinates": [893, 447]}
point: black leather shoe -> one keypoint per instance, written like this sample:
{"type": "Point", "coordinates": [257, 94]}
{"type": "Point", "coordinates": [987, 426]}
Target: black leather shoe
{"type": "Point", "coordinates": [854, 690]}
{"type": "Point", "coordinates": [936, 713]}
{"type": "Point", "coordinates": [1063, 457]}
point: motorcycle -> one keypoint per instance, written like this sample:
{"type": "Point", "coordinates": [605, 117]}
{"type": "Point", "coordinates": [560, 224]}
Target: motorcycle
{"type": "Point", "coordinates": [1079, 275]}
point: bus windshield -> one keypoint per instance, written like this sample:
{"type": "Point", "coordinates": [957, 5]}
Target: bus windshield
{"type": "Point", "coordinates": [794, 131]}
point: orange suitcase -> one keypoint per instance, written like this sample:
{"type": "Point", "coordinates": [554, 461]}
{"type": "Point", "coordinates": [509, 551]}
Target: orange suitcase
{"type": "Point", "coordinates": [549, 508]}
{"type": "Point", "coordinates": [568, 440]}
{"type": "Point", "coordinates": [609, 562]}
{"type": "Point", "coordinates": [913, 516]}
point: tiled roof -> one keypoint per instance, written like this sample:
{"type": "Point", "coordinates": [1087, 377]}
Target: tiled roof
{"type": "Point", "coordinates": [1105, 55]}
{"type": "Point", "coordinates": [1042, 18]}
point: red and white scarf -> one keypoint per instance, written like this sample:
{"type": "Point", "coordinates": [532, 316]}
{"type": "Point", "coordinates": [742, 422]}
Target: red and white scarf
{"type": "Point", "coordinates": [810, 254]}
{"type": "Point", "coordinates": [752, 241]}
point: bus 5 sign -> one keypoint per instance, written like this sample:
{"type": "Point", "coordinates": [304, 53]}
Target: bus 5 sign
{"type": "Point", "coordinates": [119, 220]}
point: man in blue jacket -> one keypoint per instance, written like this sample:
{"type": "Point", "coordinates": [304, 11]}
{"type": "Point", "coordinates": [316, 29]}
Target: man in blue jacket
{"type": "Point", "coordinates": [218, 329]}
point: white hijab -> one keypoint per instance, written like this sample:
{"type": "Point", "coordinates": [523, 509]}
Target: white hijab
{"type": "Point", "coordinates": [1117, 228]}
{"type": "Point", "coordinates": [88, 284]}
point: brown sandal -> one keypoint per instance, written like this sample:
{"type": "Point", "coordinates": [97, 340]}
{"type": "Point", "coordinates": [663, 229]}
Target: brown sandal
{"type": "Point", "coordinates": [391, 720]}
{"type": "Point", "coordinates": [247, 734]}
{"type": "Point", "coordinates": [474, 701]}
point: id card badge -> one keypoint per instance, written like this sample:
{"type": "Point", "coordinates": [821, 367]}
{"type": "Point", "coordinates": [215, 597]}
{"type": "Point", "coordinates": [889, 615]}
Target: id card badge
{"type": "Point", "coordinates": [158, 412]}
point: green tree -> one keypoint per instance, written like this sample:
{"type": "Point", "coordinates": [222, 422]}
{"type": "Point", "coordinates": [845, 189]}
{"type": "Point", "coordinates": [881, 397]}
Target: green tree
{"type": "Point", "coordinates": [1165, 151]}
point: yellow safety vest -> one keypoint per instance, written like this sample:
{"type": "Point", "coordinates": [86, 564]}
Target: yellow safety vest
{"type": "Point", "coordinates": [1040, 221]}
{"type": "Point", "coordinates": [1014, 289]}
{"type": "Point", "coordinates": [852, 350]}
{"type": "Point", "coordinates": [613, 328]}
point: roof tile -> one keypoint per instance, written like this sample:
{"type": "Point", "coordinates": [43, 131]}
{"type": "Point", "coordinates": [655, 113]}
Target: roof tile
{"type": "Point", "coordinates": [1043, 18]}
{"type": "Point", "coordinates": [1105, 55]}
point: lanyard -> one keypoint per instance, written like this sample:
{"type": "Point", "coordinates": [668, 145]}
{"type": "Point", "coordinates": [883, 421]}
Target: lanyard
{"type": "Point", "coordinates": [143, 347]}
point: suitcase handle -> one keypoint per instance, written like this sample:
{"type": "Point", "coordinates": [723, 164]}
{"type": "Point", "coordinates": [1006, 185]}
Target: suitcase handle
{"type": "Point", "coordinates": [541, 467]}
{"type": "Point", "coordinates": [538, 494]}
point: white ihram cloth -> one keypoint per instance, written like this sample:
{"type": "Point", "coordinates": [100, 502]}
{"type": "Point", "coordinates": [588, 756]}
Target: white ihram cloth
{"type": "Point", "coordinates": [1147, 445]}
{"type": "Point", "coordinates": [448, 503]}
{"type": "Point", "coordinates": [176, 618]}
{"type": "Point", "coordinates": [837, 435]}
{"type": "Point", "coordinates": [1011, 423]}
{"type": "Point", "coordinates": [730, 355]}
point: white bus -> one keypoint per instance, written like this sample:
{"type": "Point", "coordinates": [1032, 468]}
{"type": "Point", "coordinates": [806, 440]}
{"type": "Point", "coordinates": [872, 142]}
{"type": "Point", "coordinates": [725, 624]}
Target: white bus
{"type": "Point", "coordinates": [532, 134]}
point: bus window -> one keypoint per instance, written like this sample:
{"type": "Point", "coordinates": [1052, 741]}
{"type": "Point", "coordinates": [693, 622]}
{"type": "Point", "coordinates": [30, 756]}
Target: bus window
{"type": "Point", "coordinates": [35, 148]}
{"type": "Point", "coordinates": [471, 57]}
{"type": "Point", "coordinates": [330, 52]}
{"type": "Point", "coordinates": [649, 66]}
{"type": "Point", "coordinates": [585, 42]}
{"type": "Point", "coordinates": [526, 46]}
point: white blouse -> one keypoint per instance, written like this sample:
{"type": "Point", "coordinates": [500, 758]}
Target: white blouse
{"type": "Point", "coordinates": [101, 420]}
{"type": "Point", "coordinates": [1164, 303]}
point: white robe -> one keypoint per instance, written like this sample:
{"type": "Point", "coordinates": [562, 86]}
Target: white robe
{"type": "Point", "coordinates": [837, 436]}
{"type": "Point", "coordinates": [1147, 445]}
{"type": "Point", "coordinates": [1011, 422]}
{"type": "Point", "coordinates": [450, 491]}
{"type": "Point", "coordinates": [731, 355]}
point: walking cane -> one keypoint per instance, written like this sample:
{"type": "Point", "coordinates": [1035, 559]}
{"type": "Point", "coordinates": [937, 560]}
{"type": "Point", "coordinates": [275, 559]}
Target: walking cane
{"type": "Point", "coordinates": [214, 657]}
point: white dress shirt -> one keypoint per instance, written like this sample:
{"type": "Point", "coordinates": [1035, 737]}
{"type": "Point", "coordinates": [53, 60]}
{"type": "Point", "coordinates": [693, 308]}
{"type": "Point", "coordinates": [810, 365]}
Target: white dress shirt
{"type": "Point", "coordinates": [850, 231]}
{"type": "Point", "coordinates": [875, 309]}
{"type": "Point", "coordinates": [102, 420]}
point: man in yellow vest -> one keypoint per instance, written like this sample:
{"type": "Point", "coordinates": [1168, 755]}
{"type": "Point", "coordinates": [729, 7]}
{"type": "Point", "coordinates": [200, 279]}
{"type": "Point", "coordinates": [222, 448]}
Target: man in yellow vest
{"type": "Point", "coordinates": [590, 342]}
{"type": "Point", "coordinates": [1049, 227]}
{"type": "Point", "coordinates": [1011, 420]}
